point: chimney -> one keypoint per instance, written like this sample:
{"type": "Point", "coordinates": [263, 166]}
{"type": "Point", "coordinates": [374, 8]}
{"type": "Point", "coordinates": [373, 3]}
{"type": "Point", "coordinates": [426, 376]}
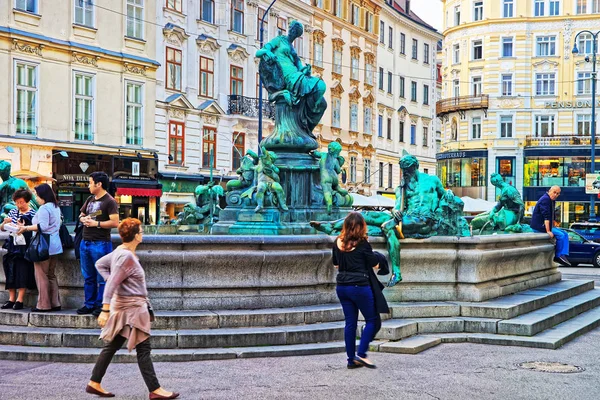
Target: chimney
{"type": "Point", "coordinates": [407, 7]}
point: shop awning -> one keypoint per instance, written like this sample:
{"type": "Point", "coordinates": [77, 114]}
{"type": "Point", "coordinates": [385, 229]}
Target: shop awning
{"type": "Point", "coordinates": [139, 192]}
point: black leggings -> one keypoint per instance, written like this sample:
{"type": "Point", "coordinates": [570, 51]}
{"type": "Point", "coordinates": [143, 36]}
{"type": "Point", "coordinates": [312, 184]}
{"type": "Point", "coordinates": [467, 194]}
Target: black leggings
{"type": "Point", "coordinates": [143, 357]}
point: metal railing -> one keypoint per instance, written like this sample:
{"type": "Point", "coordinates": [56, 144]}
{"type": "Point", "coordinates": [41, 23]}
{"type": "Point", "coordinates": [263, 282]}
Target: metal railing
{"type": "Point", "coordinates": [461, 103]}
{"type": "Point", "coordinates": [560, 140]}
{"type": "Point", "coordinates": [248, 106]}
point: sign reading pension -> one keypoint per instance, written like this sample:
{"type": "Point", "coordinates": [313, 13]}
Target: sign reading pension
{"type": "Point", "coordinates": [592, 184]}
{"type": "Point", "coordinates": [570, 104]}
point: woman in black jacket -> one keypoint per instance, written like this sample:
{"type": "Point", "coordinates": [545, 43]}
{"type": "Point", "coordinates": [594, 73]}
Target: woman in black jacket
{"type": "Point", "coordinates": [354, 257]}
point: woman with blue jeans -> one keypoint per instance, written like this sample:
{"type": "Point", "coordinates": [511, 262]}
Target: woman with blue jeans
{"type": "Point", "coordinates": [353, 256]}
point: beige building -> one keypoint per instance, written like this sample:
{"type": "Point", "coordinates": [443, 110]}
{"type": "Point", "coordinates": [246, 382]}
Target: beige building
{"type": "Point", "coordinates": [80, 78]}
{"type": "Point", "coordinates": [406, 85]}
{"type": "Point", "coordinates": [344, 54]}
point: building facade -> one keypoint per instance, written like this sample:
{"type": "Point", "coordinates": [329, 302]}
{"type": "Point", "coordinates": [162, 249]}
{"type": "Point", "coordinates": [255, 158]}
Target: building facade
{"type": "Point", "coordinates": [77, 96]}
{"type": "Point", "coordinates": [406, 86]}
{"type": "Point", "coordinates": [516, 100]}
{"type": "Point", "coordinates": [207, 87]}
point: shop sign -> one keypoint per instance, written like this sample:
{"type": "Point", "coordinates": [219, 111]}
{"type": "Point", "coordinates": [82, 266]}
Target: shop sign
{"type": "Point", "coordinates": [592, 184]}
{"type": "Point", "coordinates": [570, 104]}
{"type": "Point", "coordinates": [134, 178]}
{"type": "Point", "coordinates": [73, 177]}
{"type": "Point", "coordinates": [65, 198]}
{"type": "Point", "coordinates": [455, 154]}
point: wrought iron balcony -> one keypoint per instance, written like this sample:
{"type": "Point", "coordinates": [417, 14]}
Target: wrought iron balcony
{"type": "Point", "coordinates": [560, 140]}
{"type": "Point", "coordinates": [248, 107]}
{"type": "Point", "coordinates": [461, 104]}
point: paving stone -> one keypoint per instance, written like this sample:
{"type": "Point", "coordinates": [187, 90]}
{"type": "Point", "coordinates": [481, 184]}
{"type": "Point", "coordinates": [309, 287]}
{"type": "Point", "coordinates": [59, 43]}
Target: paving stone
{"type": "Point", "coordinates": [412, 345]}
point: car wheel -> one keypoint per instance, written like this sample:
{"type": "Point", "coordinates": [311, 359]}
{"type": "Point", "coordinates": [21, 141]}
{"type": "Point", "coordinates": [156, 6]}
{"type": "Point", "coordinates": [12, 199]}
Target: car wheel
{"type": "Point", "coordinates": [596, 259]}
{"type": "Point", "coordinates": [574, 264]}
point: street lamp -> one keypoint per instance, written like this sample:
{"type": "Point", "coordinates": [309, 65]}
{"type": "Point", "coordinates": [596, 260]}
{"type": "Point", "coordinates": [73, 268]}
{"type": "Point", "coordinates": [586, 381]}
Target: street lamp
{"type": "Point", "coordinates": [593, 169]}
{"type": "Point", "coordinates": [260, 84]}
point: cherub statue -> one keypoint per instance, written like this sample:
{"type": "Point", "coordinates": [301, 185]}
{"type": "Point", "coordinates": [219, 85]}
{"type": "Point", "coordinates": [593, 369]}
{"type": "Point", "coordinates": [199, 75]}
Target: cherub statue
{"type": "Point", "coordinates": [8, 187]}
{"type": "Point", "coordinates": [267, 180]}
{"type": "Point", "coordinates": [245, 171]}
{"type": "Point", "coordinates": [330, 165]}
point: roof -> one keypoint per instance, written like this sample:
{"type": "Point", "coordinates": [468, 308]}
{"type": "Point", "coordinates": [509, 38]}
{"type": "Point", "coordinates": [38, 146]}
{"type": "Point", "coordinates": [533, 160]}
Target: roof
{"type": "Point", "coordinates": [76, 45]}
{"type": "Point", "coordinates": [411, 15]}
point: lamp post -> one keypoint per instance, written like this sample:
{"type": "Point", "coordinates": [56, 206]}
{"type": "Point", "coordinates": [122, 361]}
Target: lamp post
{"type": "Point", "coordinates": [593, 168]}
{"type": "Point", "coordinates": [260, 84]}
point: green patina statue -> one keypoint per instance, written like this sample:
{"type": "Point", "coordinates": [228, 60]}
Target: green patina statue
{"type": "Point", "coordinates": [507, 213]}
{"type": "Point", "coordinates": [423, 209]}
{"type": "Point", "coordinates": [245, 171]}
{"type": "Point", "coordinates": [330, 166]}
{"type": "Point", "coordinates": [8, 187]}
{"type": "Point", "coordinates": [298, 96]}
{"type": "Point", "coordinates": [206, 208]}
{"type": "Point", "coordinates": [266, 178]}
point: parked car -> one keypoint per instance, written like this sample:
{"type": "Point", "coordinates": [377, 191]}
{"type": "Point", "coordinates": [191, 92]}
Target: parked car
{"type": "Point", "coordinates": [589, 230]}
{"type": "Point", "coordinates": [582, 250]}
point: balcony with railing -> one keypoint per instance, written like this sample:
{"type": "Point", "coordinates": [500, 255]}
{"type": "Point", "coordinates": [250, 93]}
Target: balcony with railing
{"type": "Point", "coordinates": [560, 140]}
{"type": "Point", "coordinates": [461, 104]}
{"type": "Point", "coordinates": [248, 107]}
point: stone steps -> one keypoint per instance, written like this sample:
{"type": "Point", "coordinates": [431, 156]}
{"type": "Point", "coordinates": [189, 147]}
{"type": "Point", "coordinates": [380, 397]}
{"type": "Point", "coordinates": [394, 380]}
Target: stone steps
{"type": "Point", "coordinates": [174, 320]}
{"type": "Point", "coordinates": [507, 307]}
{"type": "Point", "coordinates": [182, 339]}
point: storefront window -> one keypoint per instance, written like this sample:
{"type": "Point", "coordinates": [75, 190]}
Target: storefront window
{"type": "Point", "coordinates": [550, 171]}
{"type": "Point", "coordinates": [575, 168]}
{"type": "Point", "coordinates": [530, 172]}
{"type": "Point", "coordinates": [560, 171]}
{"type": "Point", "coordinates": [462, 172]}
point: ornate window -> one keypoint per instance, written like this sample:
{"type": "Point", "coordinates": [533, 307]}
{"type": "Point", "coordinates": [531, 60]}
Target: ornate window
{"type": "Point", "coordinates": [175, 5]}
{"type": "Point", "coordinates": [354, 117]}
{"type": "Point", "coordinates": [134, 113]}
{"type": "Point", "coordinates": [507, 47]}
{"type": "Point", "coordinates": [26, 109]}
{"type": "Point", "coordinates": [367, 171]}
{"type": "Point", "coordinates": [402, 87]}
{"type": "Point", "coordinates": [318, 54]}
{"type": "Point", "coordinates": [83, 123]}
{"type": "Point", "coordinates": [390, 37]}
{"type": "Point", "coordinates": [354, 68]}
{"type": "Point", "coordinates": [584, 83]}
{"type": "Point", "coordinates": [545, 46]}
{"type": "Point", "coordinates": [84, 13]}
{"type": "Point", "coordinates": [476, 128]}
{"type": "Point", "coordinates": [368, 120]}
{"type": "Point", "coordinates": [425, 136]}
{"type": "Point", "coordinates": [478, 11]}
{"type": "Point", "coordinates": [426, 94]}
{"type": "Point", "coordinates": [209, 147]}
{"type": "Point", "coordinates": [259, 16]}
{"type": "Point", "coordinates": [389, 128]}
{"type": "Point", "coordinates": [135, 19]}
{"type": "Point", "coordinates": [173, 69]}
{"type": "Point", "coordinates": [238, 149]}
{"type": "Point", "coordinates": [352, 169]}
{"type": "Point", "coordinates": [176, 142]}
{"type": "Point", "coordinates": [401, 131]}
{"type": "Point", "coordinates": [236, 81]}
{"type": "Point", "coordinates": [207, 74]}
{"type": "Point", "coordinates": [545, 84]}
{"type": "Point", "coordinates": [335, 112]}
{"type": "Point", "coordinates": [415, 49]}
{"type": "Point", "coordinates": [507, 85]}
{"type": "Point", "coordinates": [207, 11]}
{"type": "Point", "coordinates": [390, 82]}
{"type": "Point", "coordinates": [237, 16]}
{"type": "Point", "coordinates": [506, 126]}
{"type": "Point", "coordinates": [425, 53]}
{"type": "Point", "coordinates": [402, 43]}
{"type": "Point", "coordinates": [413, 91]}
{"type": "Point", "coordinates": [281, 26]}
{"type": "Point", "coordinates": [508, 8]}
{"type": "Point", "coordinates": [337, 61]}
{"type": "Point", "coordinates": [477, 49]}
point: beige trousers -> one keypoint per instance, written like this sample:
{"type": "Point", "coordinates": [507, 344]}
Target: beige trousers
{"type": "Point", "coordinates": [47, 284]}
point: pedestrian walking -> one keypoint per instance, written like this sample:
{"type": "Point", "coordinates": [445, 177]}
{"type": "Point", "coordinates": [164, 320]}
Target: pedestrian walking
{"type": "Point", "coordinates": [126, 313]}
{"type": "Point", "coordinates": [48, 218]}
{"type": "Point", "coordinates": [354, 258]}
{"type": "Point", "coordinates": [18, 271]}
{"type": "Point", "coordinates": [542, 220]}
{"type": "Point", "coordinates": [99, 214]}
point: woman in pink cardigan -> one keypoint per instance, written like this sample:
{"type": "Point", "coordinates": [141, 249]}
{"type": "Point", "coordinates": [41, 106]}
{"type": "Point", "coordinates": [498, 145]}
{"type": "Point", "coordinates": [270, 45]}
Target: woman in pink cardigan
{"type": "Point", "coordinates": [125, 312]}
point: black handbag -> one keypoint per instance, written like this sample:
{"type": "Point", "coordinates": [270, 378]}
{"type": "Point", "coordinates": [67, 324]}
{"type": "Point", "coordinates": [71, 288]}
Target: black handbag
{"type": "Point", "coordinates": [78, 238]}
{"type": "Point", "coordinates": [65, 237]}
{"type": "Point", "coordinates": [39, 248]}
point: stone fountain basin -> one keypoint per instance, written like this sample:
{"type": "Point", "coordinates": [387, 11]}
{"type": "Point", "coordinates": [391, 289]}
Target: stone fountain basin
{"type": "Point", "coordinates": [251, 272]}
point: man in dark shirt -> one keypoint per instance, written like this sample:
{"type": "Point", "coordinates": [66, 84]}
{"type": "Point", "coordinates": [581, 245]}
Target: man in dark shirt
{"type": "Point", "coordinates": [99, 215]}
{"type": "Point", "coordinates": [542, 220]}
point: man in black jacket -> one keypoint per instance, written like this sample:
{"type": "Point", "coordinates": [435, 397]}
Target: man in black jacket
{"type": "Point", "coordinates": [542, 220]}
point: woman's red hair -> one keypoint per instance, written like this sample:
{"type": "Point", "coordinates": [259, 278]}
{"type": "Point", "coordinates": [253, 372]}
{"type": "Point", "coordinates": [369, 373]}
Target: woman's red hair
{"type": "Point", "coordinates": [353, 231]}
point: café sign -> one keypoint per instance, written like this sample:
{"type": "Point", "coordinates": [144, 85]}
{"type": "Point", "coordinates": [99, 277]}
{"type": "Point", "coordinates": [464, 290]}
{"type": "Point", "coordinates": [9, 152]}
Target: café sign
{"type": "Point", "coordinates": [570, 104]}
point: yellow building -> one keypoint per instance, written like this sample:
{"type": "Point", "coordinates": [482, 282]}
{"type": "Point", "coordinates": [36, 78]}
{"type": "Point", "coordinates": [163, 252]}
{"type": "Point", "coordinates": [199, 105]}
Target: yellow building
{"type": "Point", "coordinates": [515, 100]}
{"type": "Point", "coordinates": [77, 84]}
{"type": "Point", "coordinates": [344, 54]}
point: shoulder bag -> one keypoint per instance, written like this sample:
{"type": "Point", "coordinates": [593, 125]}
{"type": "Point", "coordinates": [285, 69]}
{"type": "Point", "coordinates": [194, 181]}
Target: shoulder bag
{"type": "Point", "coordinates": [39, 249]}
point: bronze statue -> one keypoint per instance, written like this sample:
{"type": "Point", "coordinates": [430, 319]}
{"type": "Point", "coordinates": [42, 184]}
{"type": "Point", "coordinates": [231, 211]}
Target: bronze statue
{"type": "Point", "coordinates": [206, 208]}
{"type": "Point", "coordinates": [330, 166]}
{"type": "Point", "coordinates": [9, 185]}
{"type": "Point", "coordinates": [266, 178]}
{"type": "Point", "coordinates": [298, 96]}
{"type": "Point", "coordinates": [507, 213]}
{"type": "Point", "coordinates": [245, 172]}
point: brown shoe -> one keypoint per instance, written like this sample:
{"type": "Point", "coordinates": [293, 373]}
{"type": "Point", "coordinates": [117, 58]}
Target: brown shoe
{"type": "Point", "coordinates": [91, 390]}
{"type": "Point", "coordinates": [154, 396]}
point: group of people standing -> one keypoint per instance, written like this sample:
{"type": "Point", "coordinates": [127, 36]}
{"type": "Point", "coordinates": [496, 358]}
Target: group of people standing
{"type": "Point", "coordinates": [114, 281]}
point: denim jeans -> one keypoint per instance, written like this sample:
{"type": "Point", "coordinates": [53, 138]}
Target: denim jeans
{"type": "Point", "coordinates": [93, 284]}
{"type": "Point", "coordinates": [562, 242]}
{"type": "Point", "coordinates": [353, 299]}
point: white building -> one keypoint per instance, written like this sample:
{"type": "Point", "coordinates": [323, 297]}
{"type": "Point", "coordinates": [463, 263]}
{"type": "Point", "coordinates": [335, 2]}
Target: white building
{"type": "Point", "coordinates": [406, 86]}
{"type": "Point", "coordinates": [207, 87]}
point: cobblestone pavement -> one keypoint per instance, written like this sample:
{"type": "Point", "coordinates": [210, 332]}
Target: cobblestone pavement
{"type": "Point", "coordinates": [449, 371]}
